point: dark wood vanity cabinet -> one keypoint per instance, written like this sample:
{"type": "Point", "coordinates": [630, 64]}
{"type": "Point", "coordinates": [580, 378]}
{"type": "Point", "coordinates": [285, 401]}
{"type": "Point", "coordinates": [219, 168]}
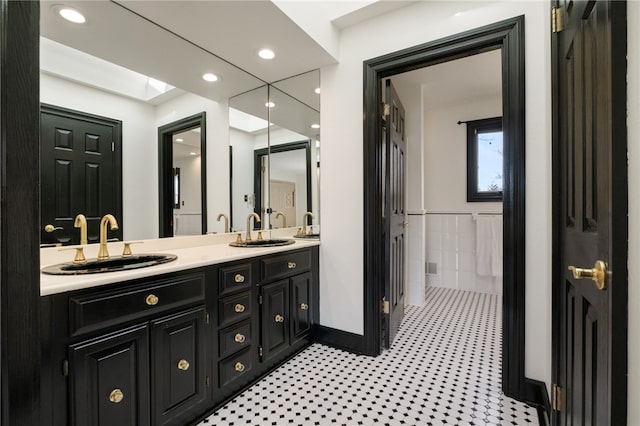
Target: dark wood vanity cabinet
{"type": "Point", "coordinates": [167, 350]}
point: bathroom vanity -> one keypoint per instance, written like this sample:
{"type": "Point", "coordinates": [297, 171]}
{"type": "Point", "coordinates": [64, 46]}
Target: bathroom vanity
{"type": "Point", "coordinates": [166, 346]}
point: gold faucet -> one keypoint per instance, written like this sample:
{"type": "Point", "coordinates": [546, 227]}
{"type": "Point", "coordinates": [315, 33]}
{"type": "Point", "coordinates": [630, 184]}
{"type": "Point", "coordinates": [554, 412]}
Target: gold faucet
{"type": "Point", "coordinates": [257, 220]}
{"type": "Point", "coordinates": [103, 253]}
{"type": "Point", "coordinates": [226, 221]}
{"type": "Point", "coordinates": [284, 218]}
{"type": "Point", "coordinates": [81, 222]}
{"type": "Point", "coordinates": [304, 221]}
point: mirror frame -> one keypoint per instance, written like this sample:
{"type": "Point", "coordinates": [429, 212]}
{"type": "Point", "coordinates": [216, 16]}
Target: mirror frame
{"type": "Point", "coordinates": [257, 173]}
{"type": "Point", "coordinates": [165, 170]}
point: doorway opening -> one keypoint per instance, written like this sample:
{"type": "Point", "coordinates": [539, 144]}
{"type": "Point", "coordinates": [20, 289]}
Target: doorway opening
{"type": "Point", "coordinates": [183, 177]}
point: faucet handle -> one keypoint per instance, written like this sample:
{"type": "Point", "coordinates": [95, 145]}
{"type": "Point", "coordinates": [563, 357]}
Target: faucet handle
{"type": "Point", "coordinates": [127, 247]}
{"type": "Point", "coordinates": [239, 239]}
{"type": "Point", "coordinates": [259, 238]}
{"type": "Point", "coordinates": [79, 257]}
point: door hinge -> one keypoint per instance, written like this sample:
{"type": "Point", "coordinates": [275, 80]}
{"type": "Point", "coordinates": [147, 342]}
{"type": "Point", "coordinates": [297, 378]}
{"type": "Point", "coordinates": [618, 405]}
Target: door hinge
{"type": "Point", "coordinates": [557, 19]}
{"type": "Point", "coordinates": [556, 398]}
{"type": "Point", "coordinates": [65, 368]}
{"type": "Point", "coordinates": [113, 147]}
{"type": "Point", "coordinates": [206, 382]}
{"type": "Point", "coordinates": [206, 318]}
{"type": "Point", "coordinates": [384, 306]}
{"type": "Point", "coordinates": [260, 350]}
{"type": "Point", "coordinates": [260, 300]}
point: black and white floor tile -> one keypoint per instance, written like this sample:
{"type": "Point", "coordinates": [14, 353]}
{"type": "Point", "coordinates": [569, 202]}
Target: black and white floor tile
{"type": "Point", "coordinates": [442, 369]}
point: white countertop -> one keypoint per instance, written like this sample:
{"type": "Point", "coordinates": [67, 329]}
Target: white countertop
{"type": "Point", "coordinates": [192, 252]}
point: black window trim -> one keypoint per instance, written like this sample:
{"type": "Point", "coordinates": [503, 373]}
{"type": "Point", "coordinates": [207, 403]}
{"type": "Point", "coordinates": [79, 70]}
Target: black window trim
{"type": "Point", "coordinates": [473, 127]}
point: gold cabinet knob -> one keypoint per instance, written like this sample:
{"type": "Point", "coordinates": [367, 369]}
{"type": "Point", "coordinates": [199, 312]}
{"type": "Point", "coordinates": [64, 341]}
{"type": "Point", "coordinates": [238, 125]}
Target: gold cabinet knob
{"type": "Point", "coordinates": [152, 300]}
{"type": "Point", "coordinates": [278, 318]}
{"type": "Point", "coordinates": [239, 338]}
{"type": "Point", "coordinates": [116, 396]}
{"type": "Point", "coordinates": [239, 278]}
{"type": "Point", "coordinates": [291, 265]}
{"type": "Point", "coordinates": [304, 306]}
{"type": "Point", "coordinates": [239, 308]}
{"type": "Point", "coordinates": [183, 365]}
{"type": "Point", "coordinates": [50, 228]}
{"type": "Point", "coordinates": [598, 274]}
{"type": "Point", "coordinates": [239, 367]}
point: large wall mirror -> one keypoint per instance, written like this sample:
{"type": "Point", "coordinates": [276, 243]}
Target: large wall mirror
{"type": "Point", "coordinates": [275, 138]}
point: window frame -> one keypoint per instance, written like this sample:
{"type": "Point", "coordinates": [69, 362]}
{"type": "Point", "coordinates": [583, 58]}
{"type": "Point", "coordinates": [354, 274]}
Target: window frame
{"type": "Point", "coordinates": [484, 125]}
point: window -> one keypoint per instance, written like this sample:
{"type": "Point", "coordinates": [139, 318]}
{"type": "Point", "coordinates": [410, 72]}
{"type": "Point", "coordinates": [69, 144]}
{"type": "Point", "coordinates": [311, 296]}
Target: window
{"type": "Point", "coordinates": [484, 160]}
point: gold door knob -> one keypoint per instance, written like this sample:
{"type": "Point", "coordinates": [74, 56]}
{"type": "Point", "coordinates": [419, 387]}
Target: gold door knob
{"type": "Point", "coordinates": [116, 396]}
{"type": "Point", "coordinates": [278, 318]}
{"type": "Point", "coordinates": [152, 300]}
{"type": "Point", "coordinates": [239, 338]}
{"type": "Point", "coordinates": [304, 306]}
{"type": "Point", "coordinates": [239, 278]}
{"type": "Point", "coordinates": [239, 366]}
{"type": "Point", "coordinates": [291, 265]}
{"type": "Point", "coordinates": [183, 365]}
{"type": "Point", "coordinates": [51, 228]}
{"type": "Point", "coordinates": [239, 308]}
{"type": "Point", "coordinates": [598, 274]}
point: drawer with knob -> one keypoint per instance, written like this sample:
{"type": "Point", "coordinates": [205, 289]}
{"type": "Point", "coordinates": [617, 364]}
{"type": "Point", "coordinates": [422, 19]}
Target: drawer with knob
{"type": "Point", "coordinates": [126, 303]}
{"type": "Point", "coordinates": [234, 338]}
{"type": "Point", "coordinates": [235, 366]}
{"type": "Point", "coordinates": [234, 278]}
{"type": "Point", "coordinates": [285, 265]}
{"type": "Point", "coordinates": [235, 308]}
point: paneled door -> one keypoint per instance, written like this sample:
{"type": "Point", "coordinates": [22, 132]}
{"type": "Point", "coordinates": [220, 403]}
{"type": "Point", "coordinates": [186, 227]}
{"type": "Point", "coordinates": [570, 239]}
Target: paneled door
{"type": "Point", "coordinates": [590, 293]}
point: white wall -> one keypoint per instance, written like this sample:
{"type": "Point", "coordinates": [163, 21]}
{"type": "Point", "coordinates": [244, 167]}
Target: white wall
{"type": "Point", "coordinates": [341, 260]}
{"type": "Point", "coordinates": [633, 90]}
{"type": "Point", "coordinates": [139, 148]}
{"type": "Point", "coordinates": [242, 179]}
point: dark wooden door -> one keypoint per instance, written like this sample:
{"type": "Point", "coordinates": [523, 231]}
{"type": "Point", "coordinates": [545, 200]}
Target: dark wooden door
{"type": "Point", "coordinates": [80, 172]}
{"type": "Point", "coordinates": [395, 215]}
{"type": "Point", "coordinates": [179, 367]}
{"type": "Point", "coordinates": [274, 317]}
{"type": "Point", "coordinates": [109, 380]}
{"type": "Point", "coordinates": [301, 306]}
{"type": "Point", "coordinates": [590, 324]}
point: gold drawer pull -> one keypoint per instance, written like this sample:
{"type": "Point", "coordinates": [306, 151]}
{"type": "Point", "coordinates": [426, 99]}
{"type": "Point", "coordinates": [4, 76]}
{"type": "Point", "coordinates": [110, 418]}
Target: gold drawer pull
{"type": "Point", "coordinates": [279, 318]}
{"type": "Point", "coordinates": [239, 366]}
{"type": "Point", "coordinates": [304, 306]}
{"type": "Point", "coordinates": [291, 265]}
{"type": "Point", "coordinates": [152, 300]}
{"type": "Point", "coordinates": [239, 338]}
{"type": "Point", "coordinates": [183, 365]}
{"type": "Point", "coordinates": [239, 308]}
{"type": "Point", "coordinates": [239, 278]}
{"type": "Point", "coordinates": [116, 396]}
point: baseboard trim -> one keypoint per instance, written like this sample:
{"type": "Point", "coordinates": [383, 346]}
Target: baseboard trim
{"type": "Point", "coordinates": [340, 339]}
{"type": "Point", "coordinates": [537, 396]}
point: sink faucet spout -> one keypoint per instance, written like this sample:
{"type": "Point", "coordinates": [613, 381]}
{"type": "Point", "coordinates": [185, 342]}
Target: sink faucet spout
{"type": "Point", "coordinates": [107, 219]}
{"type": "Point", "coordinates": [256, 220]}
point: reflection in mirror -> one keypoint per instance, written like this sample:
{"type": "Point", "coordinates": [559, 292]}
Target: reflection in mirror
{"type": "Point", "coordinates": [124, 75]}
{"type": "Point", "coordinates": [187, 210]}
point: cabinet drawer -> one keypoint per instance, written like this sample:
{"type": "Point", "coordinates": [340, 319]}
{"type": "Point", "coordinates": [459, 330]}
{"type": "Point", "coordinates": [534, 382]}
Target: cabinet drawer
{"type": "Point", "coordinates": [235, 367]}
{"type": "Point", "coordinates": [234, 308]}
{"type": "Point", "coordinates": [286, 264]}
{"type": "Point", "coordinates": [98, 310]}
{"type": "Point", "coordinates": [234, 338]}
{"type": "Point", "coordinates": [234, 278]}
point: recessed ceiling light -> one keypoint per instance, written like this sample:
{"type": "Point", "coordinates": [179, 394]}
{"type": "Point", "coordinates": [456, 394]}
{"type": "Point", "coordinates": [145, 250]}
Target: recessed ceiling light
{"type": "Point", "coordinates": [457, 14]}
{"type": "Point", "coordinates": [209, 77]}
{"type": "Point", "coordinates": [179, 140]}
{"type": "Point", "coordinates": [317, 90]}
{"type": "Point", "coordinates": [71, 15]}
{"type": "Point", "coordinates": [269, 104]}
{"type": "Point", "coordinates": [192, 153]}
{"type": "Point", "coordinates": [315, 126]}
{"type": "Point", "coordinates": [266, 54]}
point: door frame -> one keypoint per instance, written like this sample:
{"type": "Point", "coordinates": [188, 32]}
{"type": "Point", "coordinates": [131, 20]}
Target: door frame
{"type": "Point", "coordinates": [507, 35]}
{"type": "Point", "coordinates": [165, 170]}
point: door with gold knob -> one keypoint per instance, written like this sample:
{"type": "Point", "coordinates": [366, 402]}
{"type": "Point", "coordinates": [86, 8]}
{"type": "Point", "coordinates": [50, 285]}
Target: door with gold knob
{"type": "Point", "coordinates": [109, 379]}
{"type": "Point", "coordinates": [275, 319]}
{"type": "Point", "coordinates": [301, 313]}
{"type": "Point", "coordinates": [590, 209]}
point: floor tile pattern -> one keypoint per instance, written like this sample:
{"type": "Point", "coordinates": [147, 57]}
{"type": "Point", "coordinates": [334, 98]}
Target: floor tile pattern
{"type": "Point", "coordinates": [442, 369]}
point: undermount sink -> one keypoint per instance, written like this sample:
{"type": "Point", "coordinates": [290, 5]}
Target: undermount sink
{"type": "Point", "coordinates": [262, 243]}
{"type": "Point", "coordinates": [308, 236]}
{"type": "Point", "coordinates": [112, 264]}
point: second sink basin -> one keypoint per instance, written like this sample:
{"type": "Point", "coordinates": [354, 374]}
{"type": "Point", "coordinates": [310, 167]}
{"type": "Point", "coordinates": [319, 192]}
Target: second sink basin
{"type": "Point", "coordinates": [262, 243]}
{"type": "Point", "coordinates": [113, 264]}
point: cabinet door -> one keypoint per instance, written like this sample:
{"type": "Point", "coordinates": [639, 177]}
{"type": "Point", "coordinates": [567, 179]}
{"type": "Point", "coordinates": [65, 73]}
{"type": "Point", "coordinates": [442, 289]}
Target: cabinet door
{"type": "Point", "coordinates": [275, 318]}
{"type": "Point", "coordinates": [179, 367]}
{"type": "Point", "coordinates": [109, 379]}
{"type": "Point", "coordinates": [301, 315]}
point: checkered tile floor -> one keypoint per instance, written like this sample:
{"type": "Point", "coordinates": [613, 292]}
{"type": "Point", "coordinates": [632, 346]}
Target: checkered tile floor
{"type": "Point", "coordinates": [442, 369]}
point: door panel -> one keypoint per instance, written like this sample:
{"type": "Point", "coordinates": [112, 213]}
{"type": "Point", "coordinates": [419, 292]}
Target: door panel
{"type": "Point", "coordinates": [275, 318]}
{"type": "Point", "coordinates": [395, 215]}
{"type": "Point", "coordinates": [590, 214]}
{"type": "Point", "coordinates": [301, 306]}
